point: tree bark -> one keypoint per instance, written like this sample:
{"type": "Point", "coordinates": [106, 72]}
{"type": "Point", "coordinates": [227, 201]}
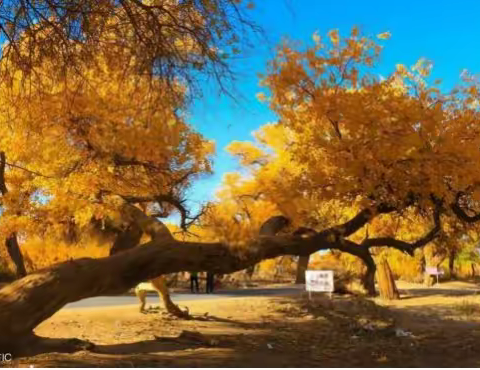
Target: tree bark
{"type": "Point", "coordinates": [249, 271]}
{"type": "Point", "coordinates": [386, 282]}
{"type": "Point", "coordinates": [279, 268]}
{"type": "Point", "coordinates": [302, 266]}
{"type": "Point", "coordinates": [451, 264]}
{"type": "Point", "coordinates": [368, 280]}
{"type": "Point", "coordinates": [16, 255]}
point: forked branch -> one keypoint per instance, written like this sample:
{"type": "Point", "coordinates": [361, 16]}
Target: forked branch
{"type": "Point", "coordinates": [407, 247]}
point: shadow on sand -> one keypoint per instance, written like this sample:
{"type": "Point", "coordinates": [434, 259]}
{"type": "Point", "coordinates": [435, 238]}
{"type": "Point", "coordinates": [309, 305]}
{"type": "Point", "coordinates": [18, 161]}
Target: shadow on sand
{"type": "Point", "coordinates": [346, 331]}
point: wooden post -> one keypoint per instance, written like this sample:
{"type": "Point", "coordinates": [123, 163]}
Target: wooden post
{"type": "Point", "coordinates": [386, 283]}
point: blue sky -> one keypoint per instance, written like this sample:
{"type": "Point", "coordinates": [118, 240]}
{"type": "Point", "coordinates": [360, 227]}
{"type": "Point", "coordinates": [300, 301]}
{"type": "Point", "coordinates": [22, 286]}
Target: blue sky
{"type": "Point", "coordinates": [446, 32]}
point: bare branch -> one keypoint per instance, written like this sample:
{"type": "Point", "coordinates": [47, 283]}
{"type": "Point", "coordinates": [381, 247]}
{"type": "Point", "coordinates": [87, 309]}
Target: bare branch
{"type": "Point", "coordinates": [407, 247]}
{"type": "Point", "coordinates": [3, 186]}
{"type": "Point", "coordinates": [74, 31]}
{"type": "Point", "coordinates": [186, 219]}
{"type": "Point", "coordinates": [360, 220]}
{"type": "Point", "coordinates": [29, 171]}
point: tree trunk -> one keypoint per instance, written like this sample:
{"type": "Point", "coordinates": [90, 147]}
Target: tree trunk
{"type": "Point", "coordinates": [386, 282]}
{"type": "Point", "coordinates": [368, 280]}
{"type": "Point", "coordinates": [28, 301]}
{"type": "Point", "coordinates": [451, 264]}
{"type": "Point", "coordinates": [302, 266]}
{"type": "Point", "coordinates": [250, 271]}
{"type": "Point", "coordinates": [423, 266]}
{"type": "Point", "coordinates": [279, 268]}
{"type": "Point", "coordinates": [15, 254]}
{"type": "Point", "coordinates": [11, 242]}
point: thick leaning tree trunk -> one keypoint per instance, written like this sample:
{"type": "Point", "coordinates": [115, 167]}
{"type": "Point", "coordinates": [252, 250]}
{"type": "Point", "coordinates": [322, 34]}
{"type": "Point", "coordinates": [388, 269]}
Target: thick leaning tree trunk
{"type": "Point", "coordinates": [302, 266]}
{"type": "Point", "coordinates": [386, 282]}
{"type": "Point", "coordinates": [27, 302]}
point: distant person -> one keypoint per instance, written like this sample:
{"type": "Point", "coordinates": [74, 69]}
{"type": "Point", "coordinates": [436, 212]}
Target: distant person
{"type": "Point", "coordinates": [210, 281]}
{"type": "Point", "coordinates": [194, 281]}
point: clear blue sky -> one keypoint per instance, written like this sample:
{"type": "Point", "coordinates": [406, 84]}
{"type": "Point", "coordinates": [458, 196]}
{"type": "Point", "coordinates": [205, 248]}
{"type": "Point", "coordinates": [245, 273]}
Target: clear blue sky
{"type": "Point", "coordinates": [446, 32]}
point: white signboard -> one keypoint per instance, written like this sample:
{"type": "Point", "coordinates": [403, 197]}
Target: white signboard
{"type": "Point", "coordinates": [319, 281]}
{"type": "Point", "coordinates": [434, 271]}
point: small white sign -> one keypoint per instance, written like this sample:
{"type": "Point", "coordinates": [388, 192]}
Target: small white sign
{"type": "Point", "coordinates": [434, 271]}
{"type": "Point", "coordinates": [319, 281]}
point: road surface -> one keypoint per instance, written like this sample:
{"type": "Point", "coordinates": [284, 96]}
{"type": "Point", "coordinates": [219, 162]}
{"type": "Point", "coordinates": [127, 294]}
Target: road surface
{"type": "Point", "coordinates": [152, 298]}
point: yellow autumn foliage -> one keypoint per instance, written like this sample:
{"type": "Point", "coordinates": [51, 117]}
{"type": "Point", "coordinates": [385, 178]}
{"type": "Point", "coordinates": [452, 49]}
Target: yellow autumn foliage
{"type": "Point", "coordinates": [356, 136]}
{"type": "Point", "coordinates": [72, 142]}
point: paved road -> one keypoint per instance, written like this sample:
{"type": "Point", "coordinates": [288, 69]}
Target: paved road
{"type": "Point", "coordinates": [178, 297]}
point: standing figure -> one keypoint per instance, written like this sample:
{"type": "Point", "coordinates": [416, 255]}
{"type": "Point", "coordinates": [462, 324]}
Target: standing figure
{"type": "Point", "coordinates": [210, 281]}
{"type": "Point", "coordinates": [194, 280]}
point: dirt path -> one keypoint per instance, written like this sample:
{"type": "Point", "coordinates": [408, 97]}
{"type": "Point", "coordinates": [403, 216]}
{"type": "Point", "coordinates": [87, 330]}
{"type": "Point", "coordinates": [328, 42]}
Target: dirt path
{"type": "Point", "coordinates": [432, 329]}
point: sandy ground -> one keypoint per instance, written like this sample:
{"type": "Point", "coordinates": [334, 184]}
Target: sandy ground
{"type": "Point", "coordinates": [428, 327]}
